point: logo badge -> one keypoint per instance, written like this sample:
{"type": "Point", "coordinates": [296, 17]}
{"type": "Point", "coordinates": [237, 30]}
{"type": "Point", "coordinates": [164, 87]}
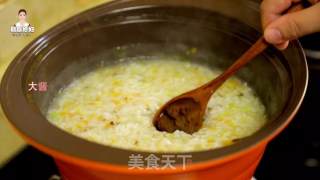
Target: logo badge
{"type": "Point", "coordinates": [22, 27]}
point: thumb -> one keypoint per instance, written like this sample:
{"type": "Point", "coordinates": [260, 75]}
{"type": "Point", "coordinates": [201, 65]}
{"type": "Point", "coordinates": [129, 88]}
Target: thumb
{"type": "Point", "coordinates": [293, 25]}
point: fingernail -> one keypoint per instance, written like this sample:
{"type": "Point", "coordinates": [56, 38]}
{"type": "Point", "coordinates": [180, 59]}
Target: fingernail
{"type": "Point", "coordinates": [282, 46]}
{"type": "Point", "coordinates": [273, 36]}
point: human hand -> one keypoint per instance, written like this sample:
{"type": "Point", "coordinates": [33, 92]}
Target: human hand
{"type": "Point", "coordinates": [279, 29]}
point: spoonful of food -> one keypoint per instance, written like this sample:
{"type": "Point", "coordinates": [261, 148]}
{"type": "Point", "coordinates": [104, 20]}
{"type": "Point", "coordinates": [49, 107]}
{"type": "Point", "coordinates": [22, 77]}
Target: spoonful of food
{"type": "Point", "coordinates": [185, 112]}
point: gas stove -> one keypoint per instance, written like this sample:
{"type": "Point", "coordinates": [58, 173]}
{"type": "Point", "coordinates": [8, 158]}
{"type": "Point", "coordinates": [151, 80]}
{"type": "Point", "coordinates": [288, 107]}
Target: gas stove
{"type": "Point", "coordinates": [294, 154]}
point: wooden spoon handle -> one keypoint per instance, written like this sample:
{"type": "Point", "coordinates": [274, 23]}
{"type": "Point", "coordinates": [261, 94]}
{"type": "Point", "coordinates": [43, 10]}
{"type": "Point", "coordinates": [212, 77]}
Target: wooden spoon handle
{"type": "Point", "coordinates": [258, 47]}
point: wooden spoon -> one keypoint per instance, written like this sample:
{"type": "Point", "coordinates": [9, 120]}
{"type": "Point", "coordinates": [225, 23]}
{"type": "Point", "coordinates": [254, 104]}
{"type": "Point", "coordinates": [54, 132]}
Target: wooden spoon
{"type": "Point", "coordinates": [185, 112]}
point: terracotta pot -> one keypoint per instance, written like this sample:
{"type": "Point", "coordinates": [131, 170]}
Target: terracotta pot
{"type": "Point", "coordinates": [221, 30]}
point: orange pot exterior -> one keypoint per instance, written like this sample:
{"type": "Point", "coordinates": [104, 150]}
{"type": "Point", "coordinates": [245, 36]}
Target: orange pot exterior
{"type": "Point", "coordinates": [241, 168]}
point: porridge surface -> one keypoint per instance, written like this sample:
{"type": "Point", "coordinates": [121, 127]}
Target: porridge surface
{"type": "Point", "coordinates": [115, 105]}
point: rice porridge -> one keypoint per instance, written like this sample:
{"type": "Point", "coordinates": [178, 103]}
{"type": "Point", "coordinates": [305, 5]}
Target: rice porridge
{"type": "Point", "coordinates": [115, 105]}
